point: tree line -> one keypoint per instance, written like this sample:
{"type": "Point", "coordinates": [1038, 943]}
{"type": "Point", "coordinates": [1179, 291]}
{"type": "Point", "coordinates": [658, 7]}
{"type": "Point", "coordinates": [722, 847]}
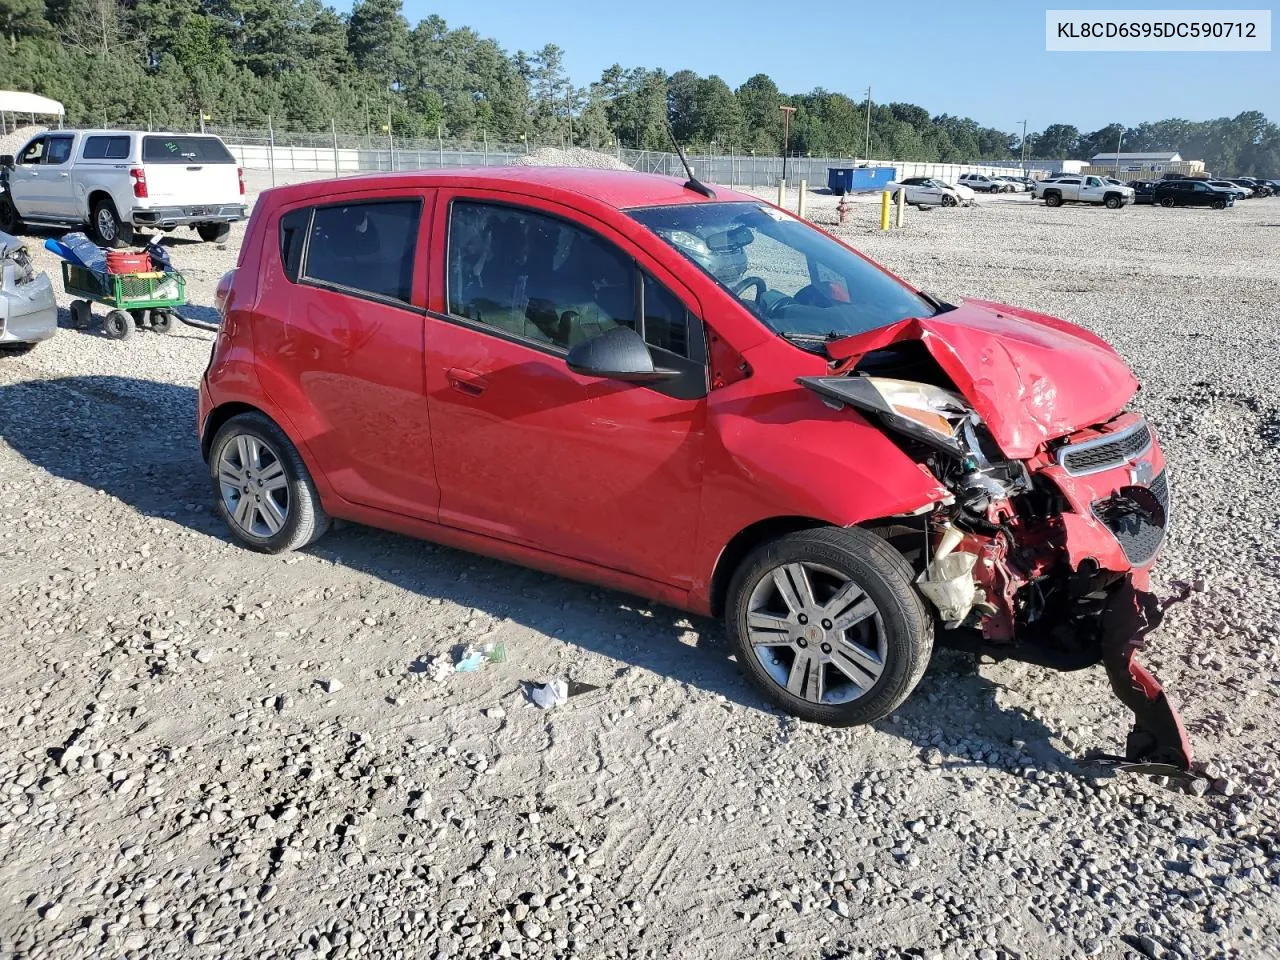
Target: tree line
{"type": "Point", "coordinates": [304, 66]}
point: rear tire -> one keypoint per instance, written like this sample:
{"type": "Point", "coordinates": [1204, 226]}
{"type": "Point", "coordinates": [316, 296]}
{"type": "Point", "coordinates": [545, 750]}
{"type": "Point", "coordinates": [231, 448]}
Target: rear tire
{"type": "Point", "coordinates": [251, 456]}
{"type": "Point", "coordinates": [849, 574]}
{"type": "Point", "coordinates": [1053, 199]}
{"type": "Point", "coordinates": [213, 232]}
{"type": "Point", "coordinates": [106, 227]}
{"type": "Point", "coordinates": [162, 320]}
{"type": "Point", "coordinates": [117, 325]}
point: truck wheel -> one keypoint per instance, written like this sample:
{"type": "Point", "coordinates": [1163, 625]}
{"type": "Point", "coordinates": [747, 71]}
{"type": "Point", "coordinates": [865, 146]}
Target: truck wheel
{"type": "Point", "coordinates": [1112, 202]}
{"type": "Point", "coordinates": [1167, 202]}
{"type": "Point", "coordinates": [213, 232]}
{"type": "Point", "coordinates": [10, 222]}
{"type": "Point", "coordinates": [81, 315]}
{"type": "Point", "coordinates": [828, 625]}
{"type": "Point", "coordinates": [106, 227]}
{"type": "Point", "coordinates": [117, 325]}
{"type": "Point", "coordinates": [1053, 199]}
{"type": "Point", "coordinates": [1219, 204]}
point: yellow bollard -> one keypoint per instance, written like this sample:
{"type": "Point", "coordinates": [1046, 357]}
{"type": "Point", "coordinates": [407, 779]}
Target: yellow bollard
{"type": "Point", "coordinates": [782, 194]}
{"type": "Point", "coordinates": [804, 185]}
{"type": "Point", "coordinates": [902, 204]}
{"type": "Point", "coordinates": [884, 210]}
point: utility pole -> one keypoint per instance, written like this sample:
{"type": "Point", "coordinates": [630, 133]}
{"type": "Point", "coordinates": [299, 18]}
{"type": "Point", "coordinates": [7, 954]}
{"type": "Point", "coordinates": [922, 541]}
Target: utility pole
{"type": "Point", "coordinates": [786, 136]}
{"type": "Point", "coordinates": [867, 154]}
{"type": "Point", "coordinates": [1119, 141]}
{"type": "Point", "coordinates": [1024, 148]}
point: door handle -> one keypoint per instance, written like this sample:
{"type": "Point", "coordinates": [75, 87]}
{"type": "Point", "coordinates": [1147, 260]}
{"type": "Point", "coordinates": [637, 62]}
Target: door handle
{"type": "Point", "coordinates": [467, 381]}
{"type": "Point", "coordinates": [63, 175]}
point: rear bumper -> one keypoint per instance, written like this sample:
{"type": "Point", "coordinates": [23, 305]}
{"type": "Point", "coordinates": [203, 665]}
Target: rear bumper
{"type": "Point", "coordinates": [28, 312]}
{"type": "Point", "coordinates": [184, 216]}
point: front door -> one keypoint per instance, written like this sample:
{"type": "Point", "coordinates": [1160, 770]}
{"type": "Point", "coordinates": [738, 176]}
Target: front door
{"type": "Point", "coordinates": [530, 452]}
{"type": "Point", "coordinates": [26, 186]}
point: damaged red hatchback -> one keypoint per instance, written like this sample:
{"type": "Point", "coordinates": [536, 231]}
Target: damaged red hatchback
{"type": "Point", "coordinates": [694, 396]}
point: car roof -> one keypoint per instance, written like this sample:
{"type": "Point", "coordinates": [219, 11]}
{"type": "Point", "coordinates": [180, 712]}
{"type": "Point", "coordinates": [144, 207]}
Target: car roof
{"type": "Point", "coordinates": [619, 189]}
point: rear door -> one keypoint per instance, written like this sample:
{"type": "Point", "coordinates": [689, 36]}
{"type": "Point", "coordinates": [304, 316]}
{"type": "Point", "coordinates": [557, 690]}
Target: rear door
{"type": "Point", "coordinates": [339, 327]}
{"type": "Point", "coordinates": [189, 170]}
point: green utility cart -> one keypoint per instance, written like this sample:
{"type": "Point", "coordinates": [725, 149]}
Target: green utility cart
{"type": "Point", "coordinates": [136, 299]}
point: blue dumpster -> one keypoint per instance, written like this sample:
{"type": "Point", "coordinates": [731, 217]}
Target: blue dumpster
{"type": "Point", "coordinates": [842, 180]}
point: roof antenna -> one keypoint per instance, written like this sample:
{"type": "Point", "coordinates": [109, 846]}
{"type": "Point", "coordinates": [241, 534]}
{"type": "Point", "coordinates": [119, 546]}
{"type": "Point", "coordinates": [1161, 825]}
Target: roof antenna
{"type": "Point", "coordinates": [693, 183]}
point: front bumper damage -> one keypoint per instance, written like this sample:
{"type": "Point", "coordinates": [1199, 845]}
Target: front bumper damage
{"type": "Point", "coordinates": [1057, 574]}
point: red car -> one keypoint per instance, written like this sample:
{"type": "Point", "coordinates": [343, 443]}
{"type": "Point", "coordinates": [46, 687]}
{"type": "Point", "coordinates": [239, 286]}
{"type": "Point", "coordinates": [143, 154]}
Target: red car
{"type": "Point", "coordinates": [691, 395]}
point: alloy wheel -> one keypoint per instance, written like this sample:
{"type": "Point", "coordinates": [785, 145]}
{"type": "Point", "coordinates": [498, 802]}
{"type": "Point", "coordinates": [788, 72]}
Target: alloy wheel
{"type": "Point", "coordinates": [254, 486]}
{"type": "Point", "coordinates": [816, 633]}
{"type": "Point", "coordinates": [106, 224]}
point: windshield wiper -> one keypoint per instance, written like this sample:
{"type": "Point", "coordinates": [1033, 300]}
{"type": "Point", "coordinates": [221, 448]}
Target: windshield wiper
{"type": "Point", "coordinates": [813, 342]}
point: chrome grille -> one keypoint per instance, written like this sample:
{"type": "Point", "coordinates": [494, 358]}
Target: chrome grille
{"type": "Point", "coordinates": [1104, 453]}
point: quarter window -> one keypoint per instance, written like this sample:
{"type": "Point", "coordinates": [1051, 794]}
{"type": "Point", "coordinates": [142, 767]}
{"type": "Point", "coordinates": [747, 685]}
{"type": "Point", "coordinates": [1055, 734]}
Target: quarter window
{"type": "Point", "coordinates": [536, 276]}
{"type": "Point", "coordinates": [366, 247]}
{"type": "Point", "coordinates": [666, 321]}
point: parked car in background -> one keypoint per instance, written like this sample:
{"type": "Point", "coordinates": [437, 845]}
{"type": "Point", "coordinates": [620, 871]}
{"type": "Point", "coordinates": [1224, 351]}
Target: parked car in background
{"type": "Point", "coordinates": [1143, 190]}
{"type": "Point", "coordinates": [1251, 189]}
{"type": "Point", "coordinates": [1193, 193]}
{"type": "Point", "coordinates": [28, 311]}
{"type": "Point", "coordinates": [691, 395]}
{"type": "Point", "coordinates": [1261, 188]}
{"type": "Point", "coordinates": [1231, 187]}
{"type": "Point", "coordinates": [931, 192]}
{"type": "Point", "coordinates": [1083, 189]}
{"type": "Point", "coordinates": [981, 183]}
{"type": "Point", "coordinates": [1016, 183]}
{"type": "Point", "coordinates": [117, 181]}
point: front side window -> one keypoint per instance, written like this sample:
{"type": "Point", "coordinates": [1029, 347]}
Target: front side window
{"type": "Point", "coordinates": [1092, 182]}
{"type": "Point", "coordinates": [366, 247]}
{"type": "Point", "coordinates": [33, 152]}
{"type": "Point", "coordinates": [795, 279]}
{"type": "Point", "coordinates": [535, 276]}
{"type": "Point", "coordinates": [59, 150]}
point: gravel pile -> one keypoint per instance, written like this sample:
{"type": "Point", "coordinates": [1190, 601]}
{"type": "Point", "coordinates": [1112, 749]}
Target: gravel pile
{"type": "Point", "coordinates": [15, 139]}
{"type": "Point", "coordinates": [572, 157]}
{"type": "Point", "coordinates": [207, 752]}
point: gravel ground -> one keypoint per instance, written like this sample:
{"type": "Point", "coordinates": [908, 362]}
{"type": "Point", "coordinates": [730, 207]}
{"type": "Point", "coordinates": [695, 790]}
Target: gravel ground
{"type": "Point", "coordinates": [205, 752]}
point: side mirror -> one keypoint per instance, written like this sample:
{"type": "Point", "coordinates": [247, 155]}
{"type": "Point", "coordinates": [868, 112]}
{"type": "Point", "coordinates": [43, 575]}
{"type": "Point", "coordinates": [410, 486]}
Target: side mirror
{"type": "Point", "coordinates": [6, 160]}
{"type": "Point", "coordinates": [619, 354]}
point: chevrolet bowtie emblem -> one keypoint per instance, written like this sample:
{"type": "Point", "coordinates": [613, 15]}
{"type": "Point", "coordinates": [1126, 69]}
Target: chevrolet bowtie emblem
{"type": "Point", "coordinates": [1140, 473]}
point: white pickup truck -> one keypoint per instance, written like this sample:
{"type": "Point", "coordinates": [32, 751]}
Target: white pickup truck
{"type": "Point", "coordinates": [1083, 189]}
{"type": "Point", "coordinates": [116, 181]}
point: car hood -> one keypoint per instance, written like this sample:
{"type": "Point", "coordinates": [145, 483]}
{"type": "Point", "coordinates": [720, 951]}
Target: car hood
{"type": "Point", "coordinates": [1031, 377]}
{"type": "Point", "coordinates": [962, 189]}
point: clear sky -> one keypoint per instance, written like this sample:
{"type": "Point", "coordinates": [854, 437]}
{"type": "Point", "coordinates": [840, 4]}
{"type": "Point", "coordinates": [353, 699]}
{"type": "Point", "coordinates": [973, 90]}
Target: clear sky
{"type": "Point", "coordinates": [985, 60]}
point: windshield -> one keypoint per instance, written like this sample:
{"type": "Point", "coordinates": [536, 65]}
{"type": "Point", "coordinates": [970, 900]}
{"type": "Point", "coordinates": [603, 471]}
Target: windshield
{"type": "Point", "coordinates": [798, 281]}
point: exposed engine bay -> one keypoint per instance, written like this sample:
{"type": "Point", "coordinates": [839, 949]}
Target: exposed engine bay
{"type": "Point", "coordinates": [1043, 559]}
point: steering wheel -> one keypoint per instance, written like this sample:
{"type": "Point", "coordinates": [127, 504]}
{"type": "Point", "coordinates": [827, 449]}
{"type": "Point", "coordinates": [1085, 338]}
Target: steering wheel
{"type": "Point", "coordinates": [746, 282]}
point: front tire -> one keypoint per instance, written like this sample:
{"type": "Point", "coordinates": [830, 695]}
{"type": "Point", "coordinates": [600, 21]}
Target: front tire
{"type": "Point", "coordinates": [265, 494]}
{"type": "Point", "coordinates": [1168, 203]}
{"type": "Point", "coordinates": [1112, 203]}
{"type": "Point", "coordinates": [828, 624]}
{"type": "Point", "coordinates": [1219, 204]}
{"type": "Point", "coordinates": [10, 222]}
{"type": "Point", "coordinates": [106, 227]}
{"type": "Point", "coordinates": [948, 200]}
{"type": "Point", "coordinates": [213, 232]}
{"type": "Point", "coordinates": [117, 325]}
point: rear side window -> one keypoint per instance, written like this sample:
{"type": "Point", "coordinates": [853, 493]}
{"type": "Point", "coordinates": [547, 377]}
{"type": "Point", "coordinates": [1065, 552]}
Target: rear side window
{"type": "Point", "coordinates": [161, 149]}
{"type": "Point", "coordinates": [366, 247]}
{"type": "Point", "coordinates": [106, 148]}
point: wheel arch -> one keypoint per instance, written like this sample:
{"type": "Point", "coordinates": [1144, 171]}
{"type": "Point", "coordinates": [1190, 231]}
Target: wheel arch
{"type": "Point", "coordinates": [892, 529]}
{"type": "Point", "coordinates": [96, 196]}
{"type": "Point", "coordinates": [220, 415]}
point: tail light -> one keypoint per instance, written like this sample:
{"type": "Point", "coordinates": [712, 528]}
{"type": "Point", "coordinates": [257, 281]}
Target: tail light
{"type": "Point", "coordinates": [139, 181]}
{"type": "Point", "coordinates": [240, 174]}
{"type": "Point", "coordinates": [223, 292]}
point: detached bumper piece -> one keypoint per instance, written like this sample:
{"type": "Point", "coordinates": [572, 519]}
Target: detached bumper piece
{"type": "Point", "coordinates": [1158, 743]}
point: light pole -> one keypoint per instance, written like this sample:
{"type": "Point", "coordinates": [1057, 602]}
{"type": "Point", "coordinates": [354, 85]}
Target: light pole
{"type": "Point", "coordinates": [1024, 148]}
{"type": "Point", "coordinates": [866, 156]}
{"type": "Point", "coordinates": [1119, 141]}
{"type": "Point", "coordinates": [786, 136]}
